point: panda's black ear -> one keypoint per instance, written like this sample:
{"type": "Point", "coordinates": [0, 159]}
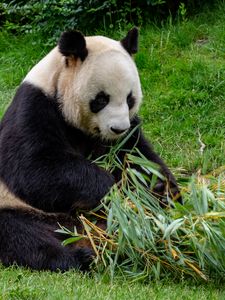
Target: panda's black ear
{"type": "Point", "coordinates": [130, 42]}
{"type": "Point", "coordinates": [72, 43]}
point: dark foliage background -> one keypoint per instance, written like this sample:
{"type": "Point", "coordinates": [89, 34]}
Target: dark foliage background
{"type": "Point", "coordinates": [54, 16]}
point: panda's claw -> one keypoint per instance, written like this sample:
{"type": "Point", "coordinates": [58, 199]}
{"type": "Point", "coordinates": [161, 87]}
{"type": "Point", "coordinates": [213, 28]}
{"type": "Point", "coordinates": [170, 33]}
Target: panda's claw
{"type": "Point", "coordinates": [164, 190]}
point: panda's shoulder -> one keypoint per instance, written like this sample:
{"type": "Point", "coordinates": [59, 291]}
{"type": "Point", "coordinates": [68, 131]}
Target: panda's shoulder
{"type": "Point", "coordinates": [33, 118]}
{"type": "Point", "coordinates": [32, 105]}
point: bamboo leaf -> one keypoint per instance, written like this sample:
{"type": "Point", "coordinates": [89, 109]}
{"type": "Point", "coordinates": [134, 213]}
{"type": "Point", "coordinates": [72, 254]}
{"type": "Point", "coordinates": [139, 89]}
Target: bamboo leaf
{"type": "Point", "coordinates": [71, 240]}
{"type": "Point", "coordinates": [172, 228]}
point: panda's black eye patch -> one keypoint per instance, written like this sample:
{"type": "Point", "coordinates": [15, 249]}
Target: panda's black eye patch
{"type": "Point", "coordinates": [130, 100]}
{"type": "Point", "coordinates": [100, 101]}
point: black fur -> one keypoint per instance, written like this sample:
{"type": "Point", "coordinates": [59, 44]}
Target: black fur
{"type": "Point", "coordinates": [130, 42]}
{"type": "Point", "coordinates": [72, 43]}
{"type": "Point", "coordinates": [28, 239]}
{"type": "Point", "coordinates": [100, 101]}
{"type": "Point", "coordinates": [130, 100]}
{"type": "Point", "coordinates": [38, 162]}
{"type": "Point", "coordinates": [44, 161]}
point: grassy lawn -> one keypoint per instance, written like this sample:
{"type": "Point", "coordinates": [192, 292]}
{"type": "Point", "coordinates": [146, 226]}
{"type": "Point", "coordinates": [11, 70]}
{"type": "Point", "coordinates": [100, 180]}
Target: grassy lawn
{"type": "Point", "coordinates": [182, 69]}
{"type": "Point", "coordinates": [23, 284]}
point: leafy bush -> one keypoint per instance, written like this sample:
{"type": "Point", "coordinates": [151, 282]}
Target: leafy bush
{"type": "Point", "coordinates": [53, 16]}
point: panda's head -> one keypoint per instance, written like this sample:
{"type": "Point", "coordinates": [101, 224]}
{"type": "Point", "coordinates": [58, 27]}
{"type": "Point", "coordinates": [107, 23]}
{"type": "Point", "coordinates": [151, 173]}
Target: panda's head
{"type": "Point", "coordinates": [99, 87]}
{"type": "Point", "coordinates": [96, 82]}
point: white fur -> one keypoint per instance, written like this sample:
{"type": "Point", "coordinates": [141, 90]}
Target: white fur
{"type": "Point", "coordinates": [7, 199]}
{"type": "Point", "coordinates": [109, 68]}
{"type": "Point", "coordinates": [46, 73]}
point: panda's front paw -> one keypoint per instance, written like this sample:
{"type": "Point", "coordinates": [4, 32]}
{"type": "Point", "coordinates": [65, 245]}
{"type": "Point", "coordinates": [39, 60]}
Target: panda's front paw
{"type": "Point", "coordinates": [94, 190]}
{"type": "Point", "coordinates": [164, 190]}
{"type": "Point", "coordinates": [83, 258]}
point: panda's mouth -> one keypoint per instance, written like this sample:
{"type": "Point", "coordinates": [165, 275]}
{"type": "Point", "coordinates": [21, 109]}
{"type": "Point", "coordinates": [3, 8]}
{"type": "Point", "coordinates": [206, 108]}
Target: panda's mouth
{"type": "Point", "coordinates": [111, 135]}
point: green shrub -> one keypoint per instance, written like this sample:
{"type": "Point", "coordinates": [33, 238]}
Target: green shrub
{"type": "Point", "coordinates": [54, 16]}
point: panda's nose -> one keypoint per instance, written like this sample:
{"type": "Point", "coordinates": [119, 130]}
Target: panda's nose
{"type": "Point", "coordinates": [118, 130]}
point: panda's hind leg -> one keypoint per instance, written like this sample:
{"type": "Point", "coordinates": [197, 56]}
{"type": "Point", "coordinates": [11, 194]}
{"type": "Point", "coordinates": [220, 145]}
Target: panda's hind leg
{"type": "Point", "coordinates": [26, 239]}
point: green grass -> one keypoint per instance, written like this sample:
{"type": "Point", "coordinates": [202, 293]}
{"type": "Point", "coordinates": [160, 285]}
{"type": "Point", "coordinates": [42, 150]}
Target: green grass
{"type": "Point", "coordinates": [17, 56]}
{"type": "Point", "coordinates": [182, 73]}
{"type": "Point", "coordinates": [182, 69]}
{"type": "Point", "coordinates": [22, 284]}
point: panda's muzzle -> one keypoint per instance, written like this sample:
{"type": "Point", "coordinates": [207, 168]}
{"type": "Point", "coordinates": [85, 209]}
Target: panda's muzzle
{"type": "Point", "coordinates": [119, 130]}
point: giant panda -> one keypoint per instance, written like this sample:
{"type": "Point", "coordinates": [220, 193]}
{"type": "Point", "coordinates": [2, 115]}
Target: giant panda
{"type": "Point", "coordinates": [78, 100]}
